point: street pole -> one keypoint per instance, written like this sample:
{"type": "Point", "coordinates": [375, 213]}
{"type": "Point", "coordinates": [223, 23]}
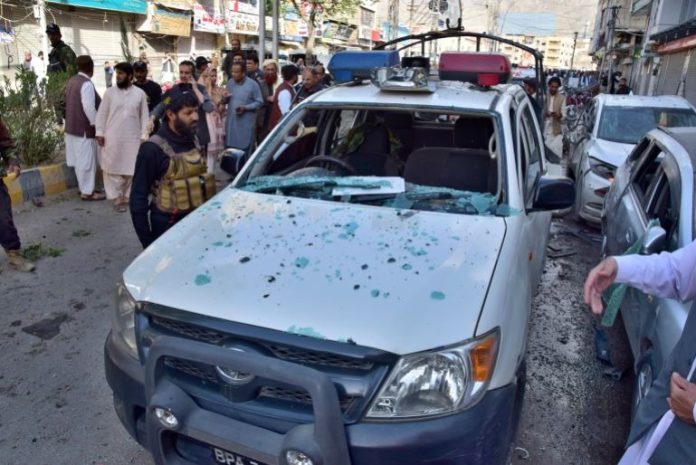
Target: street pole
{"type": "Point", "coordinates": [41, 4]}
{"type": "Point", "coordinates": [572, 56]}
{"type": "Point", "coordinates": [262, 31]}
{"type": "Point", "coordinates": [276, 28]}
{"type": "Point", "coordinates": [610, 47]}
{"type": "Point", "coordinates": [460, 22]}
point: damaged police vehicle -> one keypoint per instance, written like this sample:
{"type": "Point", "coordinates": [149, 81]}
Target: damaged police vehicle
{"type": "Point", "coordinates": [361, 293]}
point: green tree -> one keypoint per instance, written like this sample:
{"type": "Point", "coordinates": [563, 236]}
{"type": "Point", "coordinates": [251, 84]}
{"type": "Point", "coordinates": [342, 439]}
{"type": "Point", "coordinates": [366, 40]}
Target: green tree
{"type": "Point", "coordinates": [313, 11]}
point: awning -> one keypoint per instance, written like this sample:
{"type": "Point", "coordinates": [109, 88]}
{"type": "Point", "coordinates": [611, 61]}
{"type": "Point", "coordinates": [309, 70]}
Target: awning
{"type": "Point", "coordinates": [683, 30]}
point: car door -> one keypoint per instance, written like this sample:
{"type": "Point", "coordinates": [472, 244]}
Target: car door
{"type": "Point", "coordinates": [587, 120]}
{"type": "Point", "coordinates": [530, 163]}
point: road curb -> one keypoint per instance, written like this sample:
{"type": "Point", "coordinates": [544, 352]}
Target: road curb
{"type": "Point", "coordinates": [41, 181]}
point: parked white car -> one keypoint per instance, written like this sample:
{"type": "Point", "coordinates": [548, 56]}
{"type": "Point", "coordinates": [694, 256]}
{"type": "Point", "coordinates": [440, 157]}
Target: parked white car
{"type": "Point", "coordinates": [359, 295]}
{"type": "Point", "coordinates": [613, 125]}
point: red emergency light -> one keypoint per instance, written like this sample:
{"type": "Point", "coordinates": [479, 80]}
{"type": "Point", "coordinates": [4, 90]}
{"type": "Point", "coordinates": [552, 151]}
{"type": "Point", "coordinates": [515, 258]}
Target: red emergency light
{"type": "Point", "coordinates": [483, 69]}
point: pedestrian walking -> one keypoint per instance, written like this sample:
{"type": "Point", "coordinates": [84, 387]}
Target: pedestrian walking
{"type": "Point", "coordinates": [170, 177]}
{"type": "Point", "coordinates": [9, 239]}
{"type": "Point", "coordinates": [663, 430]}
{"type": "Point", "coordinates": [108, 74]}
{"type": "Point", "coordinates": [121, 123]}
{"type": "Point", "coordinates": [283, 96]}
{"type": "Point", "coordinates": [245, 99]}
{"type": "Point", "coordinates": [81, 104]}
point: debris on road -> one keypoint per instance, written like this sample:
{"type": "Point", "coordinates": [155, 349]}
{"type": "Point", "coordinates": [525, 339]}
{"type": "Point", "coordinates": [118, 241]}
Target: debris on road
{"type": "Point", "coordinates": [47, 328]}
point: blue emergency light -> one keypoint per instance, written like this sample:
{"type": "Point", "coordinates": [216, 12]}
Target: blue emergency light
{"type": "Point", "coordinates": [349, 66]}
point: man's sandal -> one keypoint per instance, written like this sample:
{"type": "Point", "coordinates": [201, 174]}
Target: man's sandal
{"type": "Point", "coordinates": [93, 196]}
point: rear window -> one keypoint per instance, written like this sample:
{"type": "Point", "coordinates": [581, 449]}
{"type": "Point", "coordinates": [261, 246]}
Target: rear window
{"type": "Point", "coordinates": [627, 125]}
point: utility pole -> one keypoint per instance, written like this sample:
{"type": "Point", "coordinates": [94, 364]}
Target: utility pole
{"type": "Point", "coordinates": [610, 46]}
{"type": "Point", "coordinates": [394, 19]}
{"type": "Point", "coordinates": [572, 56]}
{"type": "Point", "coordinates": [262, 31]}
{"type": "Point", "coordinates": [276, 28]}
{"type": "Point", "coordinates": [41, 7]}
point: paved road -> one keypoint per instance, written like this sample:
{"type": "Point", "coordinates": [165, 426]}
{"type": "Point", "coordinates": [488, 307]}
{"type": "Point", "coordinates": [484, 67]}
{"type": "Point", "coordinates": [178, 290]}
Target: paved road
{"type": "Point", "coordinates": [56, 406]}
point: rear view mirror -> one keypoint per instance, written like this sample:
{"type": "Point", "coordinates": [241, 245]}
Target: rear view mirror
{"type": "Point", "coordinates": [554, 193]}
{"type": "Point", "coordinates": [232, 161]}
{"type": "Point", "coordinates": [654, 241]}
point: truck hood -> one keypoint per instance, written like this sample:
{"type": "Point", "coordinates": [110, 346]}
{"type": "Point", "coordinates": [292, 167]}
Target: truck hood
{"type": "Point", "coordinates": [614, 153]}
{"type": "Point", "coordinates": [396, 280]}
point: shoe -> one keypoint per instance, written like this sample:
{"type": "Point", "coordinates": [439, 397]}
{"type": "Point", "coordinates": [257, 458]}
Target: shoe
{"type": "Point", "coordinates": [93, 196]}
{"type": "Point", "coordinates": [19, 263]}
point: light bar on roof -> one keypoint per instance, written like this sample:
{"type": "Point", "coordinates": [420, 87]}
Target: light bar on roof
{"type": "Point", "coordinates": [483, 69]}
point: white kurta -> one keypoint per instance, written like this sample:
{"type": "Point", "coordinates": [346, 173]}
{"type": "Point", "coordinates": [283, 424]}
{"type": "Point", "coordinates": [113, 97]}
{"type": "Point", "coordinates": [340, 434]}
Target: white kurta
{"type": "Point", "coordinates": [81, 152]}
{"type": "Point", "coordinates": [121, 119]}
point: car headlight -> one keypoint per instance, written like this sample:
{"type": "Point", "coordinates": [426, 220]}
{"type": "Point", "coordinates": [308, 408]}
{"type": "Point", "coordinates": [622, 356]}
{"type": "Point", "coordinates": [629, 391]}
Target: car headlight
{"type": "Point", "coordinates": [601, 169]}
{"type": "Point", "coordinates": [437, 382]}
{"type": "Point", "coordinates": [123, 323]}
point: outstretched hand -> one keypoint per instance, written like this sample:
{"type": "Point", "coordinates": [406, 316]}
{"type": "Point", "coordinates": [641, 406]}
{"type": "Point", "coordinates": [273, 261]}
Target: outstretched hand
{"type": "Point", "coordinates": [600, 278]}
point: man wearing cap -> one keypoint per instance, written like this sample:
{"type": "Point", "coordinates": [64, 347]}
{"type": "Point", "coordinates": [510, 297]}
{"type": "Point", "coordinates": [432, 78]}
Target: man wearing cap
{"type": "Point", "coordinates": [245, 99]}
{"type": "Point", "coordinates": [81, 104]}
{"type": "Point", "coordinates": [61, 58]}
{"type": "Point", "coordinates": [121, 120]}
{"type": "Point", "coordinates": [170, 177]}
{"type": "Point", "coordinates": [152, 90]}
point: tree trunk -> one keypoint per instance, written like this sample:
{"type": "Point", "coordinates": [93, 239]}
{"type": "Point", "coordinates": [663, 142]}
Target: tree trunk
{"type": "Point", "coordinates": [311, 32]}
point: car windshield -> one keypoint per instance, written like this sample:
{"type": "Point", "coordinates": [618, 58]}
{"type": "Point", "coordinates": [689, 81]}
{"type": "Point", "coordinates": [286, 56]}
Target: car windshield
{"type": "Point", "coordinates": [628, 124]}
{"type": "Point", "coordinates": [421, 160]}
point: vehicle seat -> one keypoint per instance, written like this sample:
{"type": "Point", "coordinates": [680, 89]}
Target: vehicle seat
{"type": "Point", "coordinates": [472, 132]}
{"type": "Point", "coordinates": [456, 168]}
{"type": "Point", "coordinates": [372, 157]}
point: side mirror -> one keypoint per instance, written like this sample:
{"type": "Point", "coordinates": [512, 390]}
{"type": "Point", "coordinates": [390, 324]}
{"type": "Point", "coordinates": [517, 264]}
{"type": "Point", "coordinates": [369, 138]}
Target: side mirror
{"type": "Point", "coordinates": [232, 161]}
{"type": "Point", "coordinates": [554, 193]}
{"type": "Point", "coordinates": [654, 241]}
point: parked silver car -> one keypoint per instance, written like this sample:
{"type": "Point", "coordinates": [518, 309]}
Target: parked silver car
{"type": "Point", "coordinates": [655, 183]}
{"type": "Point", "coordinates": [613, 124]}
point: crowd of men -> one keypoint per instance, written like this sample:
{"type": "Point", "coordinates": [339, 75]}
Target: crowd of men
{"type": "Point", "coordinates": [134, 130]}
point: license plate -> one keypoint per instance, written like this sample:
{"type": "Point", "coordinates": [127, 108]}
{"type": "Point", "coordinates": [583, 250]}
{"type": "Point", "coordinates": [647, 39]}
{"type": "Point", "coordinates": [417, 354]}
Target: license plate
{"type": "Point", "coordinates": [231, 458]}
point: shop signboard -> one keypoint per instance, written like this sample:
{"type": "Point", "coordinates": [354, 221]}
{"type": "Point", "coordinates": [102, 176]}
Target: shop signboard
{"type": "Point", "coordinates": [207, 18]}
{"type": "Point", "coordinates": [242, 23]}
{"type": "Point", "coordinates": [126, 6]}
{"type": "Point", "coordinates": [164, 21]}
{"type": "Point", "coordinates": [244, 6]}
{"type": "Point", "coordinates": [178, 4]}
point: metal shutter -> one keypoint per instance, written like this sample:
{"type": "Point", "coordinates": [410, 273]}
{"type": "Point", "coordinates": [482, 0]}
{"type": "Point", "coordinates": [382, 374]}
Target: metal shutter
{"type": "Point", "coordinates": [672, 74]}
{"type": "Point", "coordinates": [27, 37]}
{"type": "Point", "coordinates": [94, 33]}
{"type": "Point", "coordinates": [204, 44]}
{"type": "Point", "coordinates": [690, 85]}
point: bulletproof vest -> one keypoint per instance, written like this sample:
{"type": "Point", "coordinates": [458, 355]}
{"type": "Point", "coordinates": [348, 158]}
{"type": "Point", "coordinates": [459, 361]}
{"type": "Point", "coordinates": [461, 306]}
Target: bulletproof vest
{"type": "Point", "coordinates": [186, 185]}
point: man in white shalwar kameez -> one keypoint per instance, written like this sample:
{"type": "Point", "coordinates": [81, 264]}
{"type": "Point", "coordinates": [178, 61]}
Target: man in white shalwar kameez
{"type": "Point", "coordinates": [81, 103]}
{"type": "Point", "coordinates": [121, 123]}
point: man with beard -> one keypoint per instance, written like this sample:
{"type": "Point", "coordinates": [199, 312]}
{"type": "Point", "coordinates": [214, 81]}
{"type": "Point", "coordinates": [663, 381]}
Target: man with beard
{"type": "Point", "coordinates": [235, 46]}
{"type": "Point", "coordinates": [152, 90]}
{"type": "Point", "coordinates": [121, 119]}
{"type": "Point", "coordinates": [170, 169]}
{"type": "Point", "coordinates": [267, 83]}
{"type": "Point", "coordinates": [245, 99]}
{"type": "Point", "coordinates": [82, 102]}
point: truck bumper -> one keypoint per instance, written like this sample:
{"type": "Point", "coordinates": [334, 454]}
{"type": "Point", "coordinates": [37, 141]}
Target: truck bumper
{"type": "Point", "coordinates": [482, 435]}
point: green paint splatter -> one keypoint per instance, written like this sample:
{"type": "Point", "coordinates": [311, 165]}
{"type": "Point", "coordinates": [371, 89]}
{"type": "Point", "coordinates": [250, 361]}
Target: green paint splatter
{"type": "Point", "coordinates": [349, 230]}
{"type": "Point", "coordinates": [307, 331]}
{"type": "Point", "coordinates": [374, 293]}
{"type": "Point", "coordinates": [301, 262]}
{"type": "Point", "coordinates": [406, 267]}
{"type": "Point", "coordinates": [416, 252]}
{"type": "Point", "coordinates": [202, 280]}
{"type": "Point", "coordinates": [218, 244]}
{"type": "Point", "coordinates": [437, 295]}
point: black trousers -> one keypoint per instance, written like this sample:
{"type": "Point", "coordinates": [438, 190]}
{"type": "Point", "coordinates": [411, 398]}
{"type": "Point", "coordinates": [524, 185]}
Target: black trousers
{"type": "Point", "coordinates": [8, 233]}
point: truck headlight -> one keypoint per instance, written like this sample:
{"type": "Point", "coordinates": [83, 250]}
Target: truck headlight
{"type": "Point", "coordinates": [601, 169]}
{"type": "Point", "coordinates": [437, 382]}
{"type": "Point", "coordinates": [123, 323]}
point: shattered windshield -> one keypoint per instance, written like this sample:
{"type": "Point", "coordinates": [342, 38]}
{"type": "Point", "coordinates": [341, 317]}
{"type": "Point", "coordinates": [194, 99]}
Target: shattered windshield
{"type": "Point", "coordinates": [380, 192]}
{"type": "Point", "coordinates": [420, 160]}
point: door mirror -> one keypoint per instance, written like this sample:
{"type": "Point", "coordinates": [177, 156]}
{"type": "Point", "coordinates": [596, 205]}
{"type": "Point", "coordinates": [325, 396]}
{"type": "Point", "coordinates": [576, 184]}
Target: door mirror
{"type": "Point", "coordinates": [232, 161]}
{"type": "Point", "coordinates": [554, 193]}
{"type": "Point", "coordinates": [654, 241]}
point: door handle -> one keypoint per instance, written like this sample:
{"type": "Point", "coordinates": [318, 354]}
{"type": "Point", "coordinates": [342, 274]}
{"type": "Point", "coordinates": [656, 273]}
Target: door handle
{"type": "Point", "coordinates": [629, 238]}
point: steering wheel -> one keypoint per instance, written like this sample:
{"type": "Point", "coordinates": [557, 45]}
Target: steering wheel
{"type": "Point", "coordinates": [332, 162]}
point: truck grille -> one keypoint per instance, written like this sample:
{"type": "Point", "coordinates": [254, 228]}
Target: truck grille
{"type": "Point", "coordinates": [290, 354]}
